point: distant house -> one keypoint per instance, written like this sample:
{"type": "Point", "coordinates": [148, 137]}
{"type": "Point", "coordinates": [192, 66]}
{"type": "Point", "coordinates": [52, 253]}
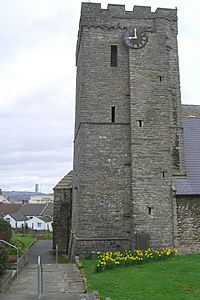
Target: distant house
{"type": "Point", "coordinates": [40, 223]}
{"type": "Point", "coordinates": [35, 216]}
{"type": "Point", "coordinates": [41, 199]}
{"type": "Point", "coordinates": [34, 210]}
{"type": "Point", "coordinates": [3, 199]}
{"type": "Point", "coordinates": [16, 220]}
{"type": "Point", "coordinates": [19, 196]}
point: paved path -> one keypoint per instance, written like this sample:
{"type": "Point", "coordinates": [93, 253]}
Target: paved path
{"type": "Point", "coordinates": [42, 248]}
{"type": "Point", "coordinates": [61, 281]}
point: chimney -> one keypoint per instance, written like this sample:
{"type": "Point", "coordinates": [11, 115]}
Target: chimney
{"type": "Point", "coordinates": [36, 188]}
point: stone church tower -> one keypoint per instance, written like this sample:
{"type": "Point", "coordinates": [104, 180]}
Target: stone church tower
{"type": "Point", "coordinates": [128, 141]}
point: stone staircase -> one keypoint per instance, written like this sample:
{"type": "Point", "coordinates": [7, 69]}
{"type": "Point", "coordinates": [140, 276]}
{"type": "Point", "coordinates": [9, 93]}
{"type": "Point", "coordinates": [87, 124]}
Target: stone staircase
{"type": "Point", "coordinates": [63, 281]}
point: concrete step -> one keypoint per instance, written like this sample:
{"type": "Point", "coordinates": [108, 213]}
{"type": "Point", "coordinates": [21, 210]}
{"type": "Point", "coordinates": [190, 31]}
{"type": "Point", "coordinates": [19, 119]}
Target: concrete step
{"type": "Point", "coordinates": [53, 296]}
{"type": "Point", "coordinates": [57, 279]}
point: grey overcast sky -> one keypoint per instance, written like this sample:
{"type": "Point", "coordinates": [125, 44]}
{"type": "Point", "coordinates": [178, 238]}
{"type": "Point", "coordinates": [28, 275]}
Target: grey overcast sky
{"type": "Point", "coordinates": [37, 83]}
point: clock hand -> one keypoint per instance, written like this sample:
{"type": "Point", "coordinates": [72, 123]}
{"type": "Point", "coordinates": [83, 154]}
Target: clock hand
{"type": "Point", "coordinates": [135, 34]}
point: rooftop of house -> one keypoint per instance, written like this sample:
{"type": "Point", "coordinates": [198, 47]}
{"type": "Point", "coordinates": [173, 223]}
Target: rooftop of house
{"type": "Point", "coordinates": [32, 209]}
{"type": "Point", "coordinates": [190, 185]}
{"type": "Point", "coordinates": [46, 219]}
{"type": "Point", "coordinates": [18, 217]}
{"type": "Point", "coordinates": [8, 208]}
{"type": "Point", "coordinates": [48, 210]}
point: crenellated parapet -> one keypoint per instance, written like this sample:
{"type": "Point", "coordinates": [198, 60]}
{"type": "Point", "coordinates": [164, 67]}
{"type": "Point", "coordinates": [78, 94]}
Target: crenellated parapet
{"type": "Point", "coordinates": [117, 11]}
{"type": "Point", "coordinates": [117, 18]}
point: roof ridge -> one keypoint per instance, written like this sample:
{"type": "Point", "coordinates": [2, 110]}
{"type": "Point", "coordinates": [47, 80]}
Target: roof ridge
{"type": "Point", "coordinates": [44, 209]}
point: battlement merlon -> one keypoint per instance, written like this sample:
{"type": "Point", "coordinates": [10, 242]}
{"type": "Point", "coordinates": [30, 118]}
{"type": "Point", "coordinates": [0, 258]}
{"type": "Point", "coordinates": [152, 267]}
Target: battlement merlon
{"type": "Point", "coordinates": [92, 15]}
{"type": "Point", "coordinates": [90, 10]}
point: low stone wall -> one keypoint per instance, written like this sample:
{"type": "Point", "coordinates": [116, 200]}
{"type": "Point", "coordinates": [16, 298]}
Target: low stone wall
{"type": "Point", "coordinates": [6, 280]}
{"type": "Point", "coordinates": [11, 272]}
{"type": "Point", "coordinates": [23, 260]}
{"type": "Point", "coordinates": [95, 295]}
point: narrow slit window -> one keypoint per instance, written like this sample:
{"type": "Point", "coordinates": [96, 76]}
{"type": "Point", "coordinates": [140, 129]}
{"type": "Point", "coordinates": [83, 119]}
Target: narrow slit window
{"type": "Point", "coordinates": [163, 174]}
{"type": "Point", "coordinates": [160, 78]}
{"type": "Point", "coordinates": [113, 114]}
{"type": "Point", "coordinates": [113, 56]}
{"type": "Point", "coordinates": [140, 123]}
{"type": "Point", "coordinates": [150, 210]}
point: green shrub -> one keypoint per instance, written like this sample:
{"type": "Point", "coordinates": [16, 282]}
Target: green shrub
{"type": "Point", "coordinates": [5, 230]}
{"type": "Point", "coordinates": [16, 241]}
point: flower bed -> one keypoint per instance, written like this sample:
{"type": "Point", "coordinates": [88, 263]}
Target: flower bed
{"type": "Point", "coordinates": [109, 260]}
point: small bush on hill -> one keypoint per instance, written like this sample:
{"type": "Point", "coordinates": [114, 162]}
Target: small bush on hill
{"type": "Point", "coordinates": [5, 230]}
{"type": "Point", "coordinates": [16, 241]}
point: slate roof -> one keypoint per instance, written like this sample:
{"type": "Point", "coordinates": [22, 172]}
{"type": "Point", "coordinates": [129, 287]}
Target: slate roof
{"type": "Point", "coordinates": [32, 209]}
{"type": "Point", "coordinates": [66, 182]}
{"type": "Point", "coordinates": [18, 217]}
{"type": "Point", "coordinates": [42, 211]}
{"type": "Point", "coordinates": [46, 219]}
{"type": "Point", "coordinates": [8, 208]}
{"type": "Point", "coordinates": [48, 210]}
{"type": "Point", "coordinates": [191, 184]}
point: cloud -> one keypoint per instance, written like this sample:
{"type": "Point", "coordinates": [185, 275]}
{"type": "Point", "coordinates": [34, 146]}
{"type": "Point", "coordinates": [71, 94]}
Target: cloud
{"type": "Point", "coordinates": [37, 92]}
{"type": "Point", "coordinates": [37, 68]}
{"type": "Point", "coordinates": [37, 84]}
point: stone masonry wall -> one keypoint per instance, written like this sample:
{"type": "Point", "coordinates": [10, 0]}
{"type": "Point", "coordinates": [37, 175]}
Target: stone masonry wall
{"type": "Point", "coordinates": [102, 198]}
{"type": "Point", "coordinates": [123, 172]}
{"type": "Point", "coordinates": [62, 218]}
{"type": "Point", "coordinates": [155, 144]}
{"type": "Point", "coordinates": [188, 212]}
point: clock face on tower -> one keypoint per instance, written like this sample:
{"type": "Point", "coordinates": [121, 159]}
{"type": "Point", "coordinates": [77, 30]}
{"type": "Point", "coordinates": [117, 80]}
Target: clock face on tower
{"type": "Point", "coordinates": [135, 38]}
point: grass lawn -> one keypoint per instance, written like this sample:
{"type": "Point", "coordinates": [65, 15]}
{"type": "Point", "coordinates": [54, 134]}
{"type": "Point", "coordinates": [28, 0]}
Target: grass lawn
{"type": "Point", "coordinates": [45, 235]}
{"type": "Point", "coordinates": [27, 239]}
{"type": "Point", "coordinates": [175, 279]}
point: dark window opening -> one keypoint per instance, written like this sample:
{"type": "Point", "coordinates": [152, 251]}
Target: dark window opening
{"type": "Point", "coordinates": [150, 210]}
{"type": "Point", "coordinates": [113, 114]}
{"type": "Point", "coordinates": [160, 78]}
{"type": "Point", "coordinates": [163, 174]}
{"type": "Point", "coordinates": [113, 56]}
{"type": "Point", "coordinates": [140, 123]}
